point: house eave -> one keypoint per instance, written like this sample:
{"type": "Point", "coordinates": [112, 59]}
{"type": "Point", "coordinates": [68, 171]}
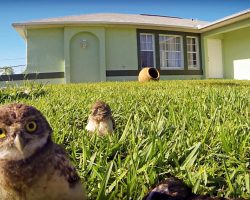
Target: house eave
{"type": "Point", "coordinates": [225, 22]}
{"type": "Point", "coordinates": [21, 30]}
{"type": "Point", "coordinates": [32, 25]}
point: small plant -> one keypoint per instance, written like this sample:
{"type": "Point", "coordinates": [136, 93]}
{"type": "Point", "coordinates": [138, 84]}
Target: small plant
{"type": "Point", "coordinates": [27, 90]}
{"type": "Point", "coordinates": [7, 70]}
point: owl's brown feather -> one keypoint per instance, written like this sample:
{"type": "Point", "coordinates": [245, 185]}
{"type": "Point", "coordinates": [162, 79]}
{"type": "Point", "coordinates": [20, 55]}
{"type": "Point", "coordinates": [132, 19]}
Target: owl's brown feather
{"type": "Point", "coordinates": [113, 122]}
{"type": "Point", "coordinates": [27, 178]}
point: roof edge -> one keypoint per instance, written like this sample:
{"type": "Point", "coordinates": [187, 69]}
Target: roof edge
{"type": "Point", "coordinates": [38, 24]}
{"type": "Point", "coordinates": [24, 26]}
{"type": "Point", "coordinates": [21, 30]}
{"type": "Point", "coordinates": [226, 20]}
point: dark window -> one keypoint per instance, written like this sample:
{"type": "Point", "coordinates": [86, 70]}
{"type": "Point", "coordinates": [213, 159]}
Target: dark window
{"type": "Point", "coordinates": [147, 50]}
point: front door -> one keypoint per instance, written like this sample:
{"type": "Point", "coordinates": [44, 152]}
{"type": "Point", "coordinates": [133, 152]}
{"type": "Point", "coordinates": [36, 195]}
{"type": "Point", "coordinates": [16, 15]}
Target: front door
{"type": "Point", "coordinates": [84, 58]}
{"type": "Point", "coordinates": [215, 64]}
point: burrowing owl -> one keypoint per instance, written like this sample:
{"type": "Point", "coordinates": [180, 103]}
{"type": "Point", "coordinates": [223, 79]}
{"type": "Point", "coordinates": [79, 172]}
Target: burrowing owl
{"type": "Point", "coordinates": [101, 119]}
{"type": "Point", "coordinates": [174, 189]}
{"type": "Point", "coordinates": [171, 188]}
{"type": "Point", "coordinates": [32, 167]}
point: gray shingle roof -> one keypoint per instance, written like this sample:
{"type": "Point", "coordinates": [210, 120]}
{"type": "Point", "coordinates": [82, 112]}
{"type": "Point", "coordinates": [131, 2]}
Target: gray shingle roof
{"type": "Point", "coordinates": [114, 18]}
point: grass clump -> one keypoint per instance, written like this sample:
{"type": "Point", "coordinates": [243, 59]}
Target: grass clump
{"type": "Point", "coordinates": [195, 130]}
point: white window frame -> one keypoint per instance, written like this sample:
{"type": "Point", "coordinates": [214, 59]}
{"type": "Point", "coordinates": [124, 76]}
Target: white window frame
{"type": "Point", "coordinates": [153, 46]}
{"type": "Point", "coordinates": [165, 51]}
{"type": "Point", "coordinates": [197, 52]}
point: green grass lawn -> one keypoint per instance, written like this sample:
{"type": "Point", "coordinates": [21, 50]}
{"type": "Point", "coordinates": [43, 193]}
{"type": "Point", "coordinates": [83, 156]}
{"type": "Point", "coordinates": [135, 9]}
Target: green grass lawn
{"type": "Point", "coordinates": [198, 131]}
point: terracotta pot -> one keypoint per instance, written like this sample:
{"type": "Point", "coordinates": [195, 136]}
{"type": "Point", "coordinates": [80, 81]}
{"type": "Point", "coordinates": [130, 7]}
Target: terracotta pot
{"type": "Point", "coordinates": [149, 74]}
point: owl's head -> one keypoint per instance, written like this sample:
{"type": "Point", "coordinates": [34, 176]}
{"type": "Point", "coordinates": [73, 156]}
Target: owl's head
{"type": "Point", "coordinates": [23, 131]}
{"type": "Point", "coordinates": [100, 110]}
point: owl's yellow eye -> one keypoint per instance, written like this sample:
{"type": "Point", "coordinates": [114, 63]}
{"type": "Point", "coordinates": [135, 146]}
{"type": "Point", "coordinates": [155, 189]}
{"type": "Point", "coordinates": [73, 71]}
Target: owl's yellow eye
{"type": "Point", "coordinates": [31, 126]}
{"type": "Point", "coordinates": [2, 133]}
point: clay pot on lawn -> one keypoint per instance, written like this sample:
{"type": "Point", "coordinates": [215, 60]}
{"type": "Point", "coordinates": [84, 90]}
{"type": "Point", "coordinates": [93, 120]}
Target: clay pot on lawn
{"type": "Point", "coordinates": [149, 74]}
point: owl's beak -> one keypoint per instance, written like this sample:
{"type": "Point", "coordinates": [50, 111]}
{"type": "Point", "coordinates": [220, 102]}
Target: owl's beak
{"type": "Point", "coordinates": [19, 142]}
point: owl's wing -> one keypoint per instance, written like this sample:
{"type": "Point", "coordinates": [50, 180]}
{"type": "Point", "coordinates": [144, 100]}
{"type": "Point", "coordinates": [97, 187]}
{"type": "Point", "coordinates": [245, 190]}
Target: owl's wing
{"type": "Point", "coordinates": [64, 166]}
{"type": "Point", "coordinates": [50, 175]}
{"type": "Point", "coordinates": [113, 122]}
{"type": "Point", "coordinates": [66, 176]}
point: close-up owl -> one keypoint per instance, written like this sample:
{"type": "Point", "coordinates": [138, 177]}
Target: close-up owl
{"type": "Point", "coordinates": [100, 119]}
{"type": "Point", "coordinates": [32, 166]}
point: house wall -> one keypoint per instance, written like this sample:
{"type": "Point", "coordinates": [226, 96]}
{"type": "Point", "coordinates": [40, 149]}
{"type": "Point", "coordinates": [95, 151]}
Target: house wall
{"type": "Point", "coordinates": [162, 77]}
{"type": "Point", "coordinates": [121, 49]}
{"type": "Point", "coordinates": [116, 57]}
{"type": "Point", "coordinates": [235, 48]}
{"type": "Point", "coordinates": [45, 50]}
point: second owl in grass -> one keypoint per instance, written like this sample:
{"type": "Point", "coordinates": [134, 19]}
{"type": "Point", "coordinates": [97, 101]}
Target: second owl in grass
{"type": "Point", "coordinates": [100, 120]}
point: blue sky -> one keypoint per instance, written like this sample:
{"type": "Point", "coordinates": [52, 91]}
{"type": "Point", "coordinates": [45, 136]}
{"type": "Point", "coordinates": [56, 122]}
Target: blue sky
{"type": "Point", "coordinates": [12, 46]}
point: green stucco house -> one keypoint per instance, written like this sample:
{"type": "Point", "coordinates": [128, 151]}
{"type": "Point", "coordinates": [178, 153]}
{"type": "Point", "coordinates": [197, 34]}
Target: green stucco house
{"type": "Point", "coordinates": [108, 47]}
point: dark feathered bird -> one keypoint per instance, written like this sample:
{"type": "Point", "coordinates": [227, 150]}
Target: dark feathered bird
{"type": "Point", "coordinates": [171, 188]}
{"type": "Point", "coordinates": [174, 189]}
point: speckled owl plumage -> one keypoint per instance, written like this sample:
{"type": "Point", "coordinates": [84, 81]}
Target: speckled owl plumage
{"type": "Point", "coordinates": [33, 167]}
